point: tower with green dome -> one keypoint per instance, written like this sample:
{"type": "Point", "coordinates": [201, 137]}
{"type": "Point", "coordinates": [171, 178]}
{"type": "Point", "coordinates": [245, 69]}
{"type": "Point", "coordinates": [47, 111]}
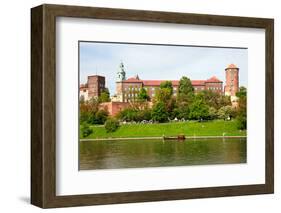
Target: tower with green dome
{"type": "Point", "coordinates": [121, 76]}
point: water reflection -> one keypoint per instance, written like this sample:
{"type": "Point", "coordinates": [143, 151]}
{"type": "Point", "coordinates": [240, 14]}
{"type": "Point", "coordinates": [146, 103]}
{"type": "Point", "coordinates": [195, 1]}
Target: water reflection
{"type": "Point", "coordinates": [158, 153]}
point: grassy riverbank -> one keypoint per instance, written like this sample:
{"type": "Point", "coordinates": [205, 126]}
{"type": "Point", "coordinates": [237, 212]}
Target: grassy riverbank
{"type": "Point", "coordinates": [193, 128]}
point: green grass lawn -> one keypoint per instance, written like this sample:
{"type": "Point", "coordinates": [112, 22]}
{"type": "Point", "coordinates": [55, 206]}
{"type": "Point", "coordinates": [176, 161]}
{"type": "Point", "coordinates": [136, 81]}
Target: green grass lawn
{"type": "Point", "coordinates": [192, 128]}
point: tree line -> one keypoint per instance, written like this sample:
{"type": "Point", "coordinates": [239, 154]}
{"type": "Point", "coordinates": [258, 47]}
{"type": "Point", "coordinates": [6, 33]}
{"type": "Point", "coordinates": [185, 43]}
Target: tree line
{"type": "Point", "coordinates": [186, 105]}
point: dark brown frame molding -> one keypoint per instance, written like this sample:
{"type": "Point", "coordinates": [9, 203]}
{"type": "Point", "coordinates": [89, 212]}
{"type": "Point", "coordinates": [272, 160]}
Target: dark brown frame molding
{"type": "Point", "coordinates": [43, 105]}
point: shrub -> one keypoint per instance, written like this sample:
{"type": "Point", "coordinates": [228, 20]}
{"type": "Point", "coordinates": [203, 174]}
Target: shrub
{"type": "Point", "coordinates": [128, 114]}
{"type": "Point", "coordinates": [101, 116]}
{"type": "Point", "coordinates": [111, 125]}
{"type": "Point", "coordinates": [98, 117]}
{"type": "Point", "coordinates": [144, 114]}
{"type": "Point", "coordinates": [86, 130]}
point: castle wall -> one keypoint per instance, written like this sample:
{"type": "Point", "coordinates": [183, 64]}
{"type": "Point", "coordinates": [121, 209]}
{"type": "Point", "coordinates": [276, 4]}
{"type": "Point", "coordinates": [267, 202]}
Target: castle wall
{"type": "Point", "coordinates": [114, 108]}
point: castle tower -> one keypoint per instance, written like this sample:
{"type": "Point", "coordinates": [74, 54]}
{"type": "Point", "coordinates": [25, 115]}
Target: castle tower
{"type": "Point", "coordinates": [96, 84]}
{"type": "Point", "coordinates": [121, 76]}
{"type": "Point", "coordinates": [232, 80]}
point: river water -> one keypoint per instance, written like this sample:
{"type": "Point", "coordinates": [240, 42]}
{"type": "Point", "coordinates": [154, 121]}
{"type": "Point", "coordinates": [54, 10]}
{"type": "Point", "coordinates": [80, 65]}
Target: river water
{"type": "Point", "coordinates": [158, 153]}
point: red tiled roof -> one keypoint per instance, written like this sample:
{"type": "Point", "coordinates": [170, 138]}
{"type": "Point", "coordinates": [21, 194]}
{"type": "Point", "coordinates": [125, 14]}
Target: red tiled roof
{"type": "Point", "coordinates": [198, 82]}
{"type": "Point", "coordinates": [174, 82]}
{"type": "Point", "coordinates": [158, 82]}
{"type": "Point", "coordinates": [132, 80]}
{"type": "Point", "coordinates": [213, 79]}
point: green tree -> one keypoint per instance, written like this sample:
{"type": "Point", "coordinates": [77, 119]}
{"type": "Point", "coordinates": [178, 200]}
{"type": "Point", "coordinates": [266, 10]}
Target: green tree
{"type": "Point", "coordinates": [181, 111]}
{"type": "Point", "coordinates": [127, 114]}
{"type": "Point", "coordinates": [225, 112]}
{"type": "Point", "coordinates": [104, 96]}
{"type": "Point", "coordinates": [99, 117]}
{"type": "Point", "coordinates": [212, 113]}
{"type": "Point", "coordinates": [165, 92]}
{"type": "Point", "coordinates": [135, 114]}
{"type": "Point", "coordinates": [159, 112]}
{"type": "Point", "coordinates": [242, 108]}
{"type": "Point", "coordinates": [164, 98]}
{"type": "Point", "coordinates": [88, 109]}
{"type": "Point", "coordinates": [163, 95]}
{"type": "Point", "coordinates": [214, 99]}
{"type": "Point", "coordinates": [143, 96]}
{"type": "Point", "coordinates": [144, 114]}
{"type": "Point", "coordinates": [111, 125]}
{"type": "Point", "coordinates": [242, 92]}
{"type": "Point", "coordinates": [198, 109]}
{"type": "Point", "coordinates": [167, 85]}
{"type": "Point", "coordinates": [224, 100]}
{"type": "Point", "coordinates": [185, 90]}
{"type": "Point", "coordinates": [185, 96]}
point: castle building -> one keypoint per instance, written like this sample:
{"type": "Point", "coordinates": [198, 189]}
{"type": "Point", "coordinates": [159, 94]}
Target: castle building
{"type": "Point", "coordinates": [128, 90]}
{"type": "Point", "coordinates": [93, 88]}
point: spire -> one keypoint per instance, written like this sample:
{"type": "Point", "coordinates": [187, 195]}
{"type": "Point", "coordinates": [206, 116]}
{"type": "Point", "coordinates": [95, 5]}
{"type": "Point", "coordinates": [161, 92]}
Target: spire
{"type": "Point", "coordinates": [121, 74]}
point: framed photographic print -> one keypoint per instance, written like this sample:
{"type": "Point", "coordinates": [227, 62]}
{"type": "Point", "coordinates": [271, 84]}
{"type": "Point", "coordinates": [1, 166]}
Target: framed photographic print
{"type": "Point", "coordinates": [136, 106]}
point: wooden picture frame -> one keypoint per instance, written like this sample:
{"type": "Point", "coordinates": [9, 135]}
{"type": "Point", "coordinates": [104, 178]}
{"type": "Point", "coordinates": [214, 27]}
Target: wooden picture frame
{"type": "Point", "coordinates": [43, 105]}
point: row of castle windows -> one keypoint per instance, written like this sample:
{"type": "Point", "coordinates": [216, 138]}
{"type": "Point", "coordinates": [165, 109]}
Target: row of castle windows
{"type": "Point", "coordinates": [210, 88]}
{"type": "Point", "coordinates": [174, 91]}
{"type": "Point", "coordinates": [146, 88]}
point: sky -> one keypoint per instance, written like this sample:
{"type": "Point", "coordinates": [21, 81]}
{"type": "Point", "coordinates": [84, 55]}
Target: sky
{"type": "Point", "coordinates": [159, 62]}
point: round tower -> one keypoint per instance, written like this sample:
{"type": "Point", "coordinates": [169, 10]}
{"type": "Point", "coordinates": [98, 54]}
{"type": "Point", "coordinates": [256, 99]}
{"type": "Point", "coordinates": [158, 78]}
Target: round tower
{"type": "Point", "coordinates": [232, 80]}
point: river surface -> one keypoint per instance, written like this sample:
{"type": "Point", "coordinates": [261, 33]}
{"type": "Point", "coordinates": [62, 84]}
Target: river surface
{"type": "Point", "coordinates": [158, 153]}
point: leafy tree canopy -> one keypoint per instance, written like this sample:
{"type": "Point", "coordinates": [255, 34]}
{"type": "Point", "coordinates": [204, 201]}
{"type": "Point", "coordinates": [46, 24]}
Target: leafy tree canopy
{"type": "Point", "coordinates": [225, 112]}
{"type": "Point", "coordinates": [185, 90]}
{"type": "Point", "coordinates": [163, 95]}
{"type": "Point", "coordinates": [168, 86]}
{"type": "Point", "coordinates": [199, 109]}
{"type": "Point", "coordinates": [104, 96]}
{"type": "Point", "coordinates": [143, 96]}
{"type": "Point", "coordinates": [242, 92]}
{"type": "Point", "coordinates": [159, 112]}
